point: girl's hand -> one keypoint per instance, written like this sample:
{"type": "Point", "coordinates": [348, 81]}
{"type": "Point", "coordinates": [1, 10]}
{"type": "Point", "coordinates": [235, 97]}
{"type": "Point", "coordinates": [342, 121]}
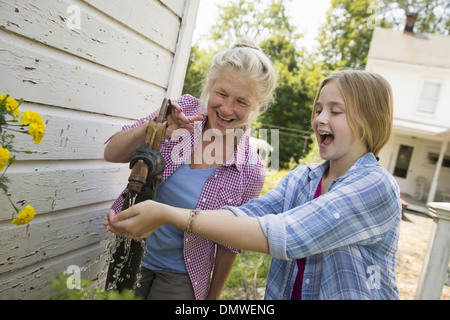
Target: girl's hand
{"type": "Point", "coordinates": [137, 222]}
{"type": "Point", "coordinates": [177, 120]}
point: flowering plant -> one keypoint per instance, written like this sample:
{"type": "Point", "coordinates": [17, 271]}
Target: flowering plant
{"type": "Point", "coordinates": [10, 122]}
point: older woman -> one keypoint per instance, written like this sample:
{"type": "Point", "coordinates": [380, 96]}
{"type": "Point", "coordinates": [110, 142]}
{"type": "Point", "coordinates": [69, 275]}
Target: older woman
{"type": "Point", "coordinates": [209, 164]}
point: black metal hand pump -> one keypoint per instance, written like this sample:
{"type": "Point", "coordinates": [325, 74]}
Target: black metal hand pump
{"type": "Point", "coordinates": [147, 166]}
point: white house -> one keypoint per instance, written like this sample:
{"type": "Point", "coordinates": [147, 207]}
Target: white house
{"type": "Point", "coordinates": [88, 67]}
{"type": "Point", "coordinates": [418, 69]}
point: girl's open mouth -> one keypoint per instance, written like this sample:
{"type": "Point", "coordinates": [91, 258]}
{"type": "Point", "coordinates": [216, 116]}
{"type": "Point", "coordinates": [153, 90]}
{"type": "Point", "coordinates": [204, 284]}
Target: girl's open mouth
{"type": "Point", "coordinates": [326, 139]}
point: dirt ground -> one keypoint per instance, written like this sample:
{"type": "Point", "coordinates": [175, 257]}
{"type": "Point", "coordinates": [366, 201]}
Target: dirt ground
{"type": "Point", "coordinates": [415, 231]}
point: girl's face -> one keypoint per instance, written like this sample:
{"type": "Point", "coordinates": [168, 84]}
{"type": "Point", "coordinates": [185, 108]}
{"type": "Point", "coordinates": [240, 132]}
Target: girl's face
{"type": "Point", "coordinates": [231, 100]}
{"type": "Point", "coordinates": [331, 127]}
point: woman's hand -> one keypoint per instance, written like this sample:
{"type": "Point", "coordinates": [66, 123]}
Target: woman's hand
{"type": "Point", "coordinates": [177, 120]}
{"type": "Point", "coordinates": [137, 222]}
{"type": "Point", "coordinates": [221, 226]}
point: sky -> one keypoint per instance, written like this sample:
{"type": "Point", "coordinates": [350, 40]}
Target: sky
{"type": "Point", "coordinates": [306, 15]}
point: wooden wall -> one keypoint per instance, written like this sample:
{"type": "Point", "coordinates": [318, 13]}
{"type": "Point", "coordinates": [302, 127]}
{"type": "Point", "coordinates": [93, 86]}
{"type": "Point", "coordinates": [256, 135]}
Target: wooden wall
{"type": "Point", "coordinates": [88, 67]}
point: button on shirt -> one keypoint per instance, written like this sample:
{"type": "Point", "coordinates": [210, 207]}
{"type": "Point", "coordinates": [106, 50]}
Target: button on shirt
{"type": "Point", "coordinates": [233, 183]}
{"type": "Point", "coordinates": [349, 235]}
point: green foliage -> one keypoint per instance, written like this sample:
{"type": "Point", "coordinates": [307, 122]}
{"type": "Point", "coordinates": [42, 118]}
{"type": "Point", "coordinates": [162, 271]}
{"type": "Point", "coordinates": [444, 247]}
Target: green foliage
{"type": "Point", "coordinates": [60, 291]}
{"type": "Point", "coordinates": [433, 15]}
{"type": "Point", "coordinates": [313, 155]}
{"type": "Point", "coordinates": [6, 140]}
{"type": "Point", "coordinates": [268, 23]}
{"type": "Point", "coordinates": [272, 179]}
{"type": "Point", "coordinates": [249, 272]}
{"type": "Point", "coordinates": [291, 109]}
{"type": "Point", "coordinates": [345, 37]}
{"type": "Point", "coordinates": [344, 42]}
{"type": "Point", "coordinates": [197, 70]}
{"type": "Point", "coordinates": [258, 19]}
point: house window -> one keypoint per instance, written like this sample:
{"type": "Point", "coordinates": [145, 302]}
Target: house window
{"type": "Point", "coordinates": [433, 159]}
{"type": "Point", "coordinates": [429, 97]}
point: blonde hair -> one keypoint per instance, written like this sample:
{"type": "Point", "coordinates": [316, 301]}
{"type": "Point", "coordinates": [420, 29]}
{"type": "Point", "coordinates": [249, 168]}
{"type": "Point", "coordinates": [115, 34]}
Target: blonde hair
{"type": "Point", "coordinates": [247, 58]}
{"type": "Point", "coordinates": [369, 101]}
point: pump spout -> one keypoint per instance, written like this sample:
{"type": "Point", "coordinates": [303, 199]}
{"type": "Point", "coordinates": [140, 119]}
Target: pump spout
{"type": "Point", "coordinates": [137, 177]}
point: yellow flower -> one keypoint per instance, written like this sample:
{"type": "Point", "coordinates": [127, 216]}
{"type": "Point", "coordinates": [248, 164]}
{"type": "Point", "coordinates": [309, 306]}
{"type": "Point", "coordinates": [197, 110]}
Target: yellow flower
{"type": "Point", "coordinates": [37, 127]}
{"type": "Point", "coordinates": [29, 117]}
{"type": "Point", "coordinates": [24, 216]}
{"type": "Point", "coordinates": [11, 105]}
{"type": "Point", "coordinates": [4, 158]}
{"type": "Point", "coordinates": [37, 131]}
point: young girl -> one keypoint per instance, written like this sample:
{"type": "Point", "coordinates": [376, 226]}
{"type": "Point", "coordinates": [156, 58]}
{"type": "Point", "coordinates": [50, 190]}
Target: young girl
{"type": "Point", "coordinates": [332, 228]}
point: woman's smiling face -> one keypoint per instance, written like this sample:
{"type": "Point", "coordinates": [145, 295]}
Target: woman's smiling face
{"type": "Point", "coordinates": [232, 98]}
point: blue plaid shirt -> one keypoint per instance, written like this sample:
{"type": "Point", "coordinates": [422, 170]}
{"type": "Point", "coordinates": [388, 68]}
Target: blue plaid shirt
{"type": "Point", "coordinates": [348, 235]}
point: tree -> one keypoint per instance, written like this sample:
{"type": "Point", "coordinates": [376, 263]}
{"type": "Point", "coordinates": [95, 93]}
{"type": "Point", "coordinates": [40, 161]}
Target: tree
{"type": "Point", "coordinates": [197, 69]}
{"type": "Point", "coordinates": [258, 19]}
{"type": "Point", "coordinates": [267, 22]}
{"type": "Point", "coordinates": [291, 110]}
{"type": "Point", "coordinates": [433, 15]}
{"type": "Point", "coordinates": [344, 43]}
{"type": "Point", "coordinates": [345, 37]}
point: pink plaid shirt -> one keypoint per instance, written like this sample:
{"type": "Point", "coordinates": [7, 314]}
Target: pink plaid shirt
{"type": "Point", "coordinates": [233, 183]}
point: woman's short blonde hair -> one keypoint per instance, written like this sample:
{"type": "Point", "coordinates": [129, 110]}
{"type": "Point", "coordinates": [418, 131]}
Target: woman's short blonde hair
{"type": "Point", "coordinates": [248, 59]}
{"type": "Point", "coordinates": [369, 101]}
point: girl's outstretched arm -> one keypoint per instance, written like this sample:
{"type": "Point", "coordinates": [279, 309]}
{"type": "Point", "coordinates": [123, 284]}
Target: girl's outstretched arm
{"type": "Point", "coordinates": [220, 226]}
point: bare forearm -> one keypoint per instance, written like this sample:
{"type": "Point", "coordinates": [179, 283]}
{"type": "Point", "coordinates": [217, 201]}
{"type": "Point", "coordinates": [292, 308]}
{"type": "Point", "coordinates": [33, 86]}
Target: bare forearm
{"type": "Point", "coordinates": [122, 145]}
{"type": "Point", "coordinates": [222, 226]}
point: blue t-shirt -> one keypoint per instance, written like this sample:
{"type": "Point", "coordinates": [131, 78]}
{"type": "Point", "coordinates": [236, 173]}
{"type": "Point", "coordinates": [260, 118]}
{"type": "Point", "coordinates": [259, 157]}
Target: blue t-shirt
{"type": "Point", "coordinates": [165, 245]}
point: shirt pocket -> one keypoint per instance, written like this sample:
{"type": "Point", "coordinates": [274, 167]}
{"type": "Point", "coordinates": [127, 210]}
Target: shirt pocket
{"type": "Point", "coordinates": [229, 196]}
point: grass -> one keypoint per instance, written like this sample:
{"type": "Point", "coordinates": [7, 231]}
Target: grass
{"type": "Point", "coordinates": [248, 277]}
{"type": "Point", "coordinates": [272, 179]}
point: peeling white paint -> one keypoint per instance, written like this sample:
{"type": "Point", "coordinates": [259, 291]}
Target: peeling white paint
{"type": "Point", "coordinates": [86, 83]}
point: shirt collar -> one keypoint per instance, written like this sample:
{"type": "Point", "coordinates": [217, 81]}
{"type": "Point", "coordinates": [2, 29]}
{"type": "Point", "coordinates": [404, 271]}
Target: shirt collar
{"type": "Point", "coordinates": [367, 160]}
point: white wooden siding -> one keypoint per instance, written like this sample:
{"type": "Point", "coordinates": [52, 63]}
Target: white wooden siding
{"type": "Point", "coordinates": [86, 83]}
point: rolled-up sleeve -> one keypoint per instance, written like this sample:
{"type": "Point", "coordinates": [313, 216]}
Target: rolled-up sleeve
{"type": "Point", "coordinates": [359, 209]}
{"type": "Point", "coordinates": [265, 209]}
